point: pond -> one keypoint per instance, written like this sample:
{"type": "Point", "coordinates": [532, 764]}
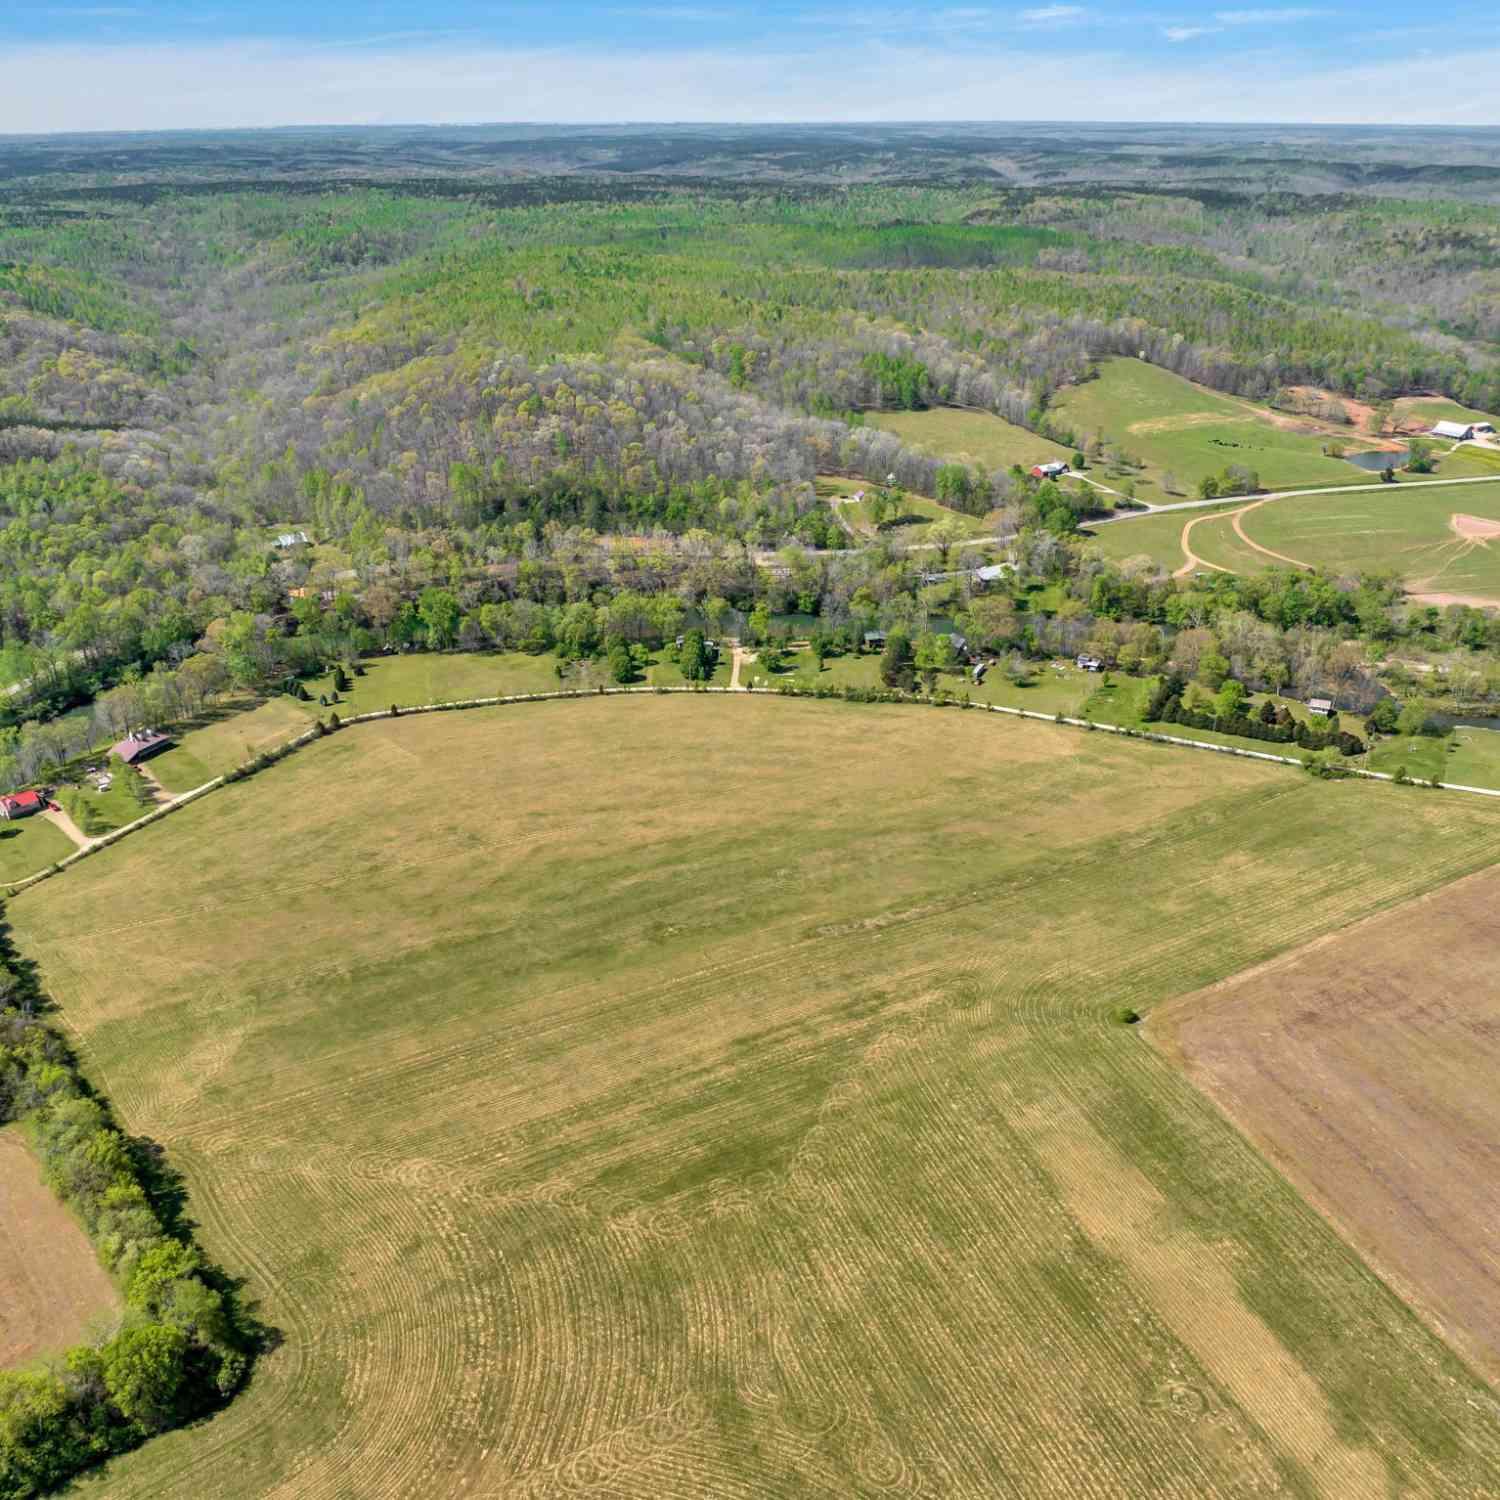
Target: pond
{"type": "Point", "coordinates": [1377, 459]}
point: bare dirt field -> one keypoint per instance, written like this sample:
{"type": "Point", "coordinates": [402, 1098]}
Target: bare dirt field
{"type": "Point", "coordinates": [1475, 528]}
{"type": "Point", "coordinates": [1365, 1066]}
{"type": "Point", "coordinates": [52, 1286]}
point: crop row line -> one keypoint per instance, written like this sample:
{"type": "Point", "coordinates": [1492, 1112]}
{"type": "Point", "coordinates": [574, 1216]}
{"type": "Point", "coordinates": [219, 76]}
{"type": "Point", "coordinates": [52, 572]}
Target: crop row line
{"type": "Point", "coordinates": [269, 757]}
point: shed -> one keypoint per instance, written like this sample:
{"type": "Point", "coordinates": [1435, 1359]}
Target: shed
{"type": "Point", "coordinates": [1460, 432]}
{"type": "Point", "coordinates": [21, 804]}
{"type": "Point", "coordinates": [1320, 707]}
{"type": "Point", "coordinates": [1049, 470]}
{"type": "Point", "coordinates": [141, 745]}
{"type": "Point", "coordinates": [1088, 663]}
{"type": "Point", "coordinates": [874, 637]}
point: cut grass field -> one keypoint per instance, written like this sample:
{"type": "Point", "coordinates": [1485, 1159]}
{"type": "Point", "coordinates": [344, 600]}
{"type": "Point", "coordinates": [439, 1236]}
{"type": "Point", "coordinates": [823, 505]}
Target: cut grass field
{"type": "Point", "coordinates": [716, 1096]}
{"type": "Point", "coordinates": [1189, 431]}
{"type": "Point", "coordinates": [1365, 1066]}
{"type": "Point", "coordinates": [1405, 528]}
{"type": "Point", "coordinates": [979, 436]}
{"type": "Point", "coordinates": [28, 845]}
{"type": "Point", "coordinates": [53, 1291]}
{"type": "Point", "coordinates": [1410, 531]}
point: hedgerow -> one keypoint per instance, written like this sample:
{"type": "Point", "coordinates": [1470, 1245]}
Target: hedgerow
{"type": "Point", "coordinates": [182, 1345]}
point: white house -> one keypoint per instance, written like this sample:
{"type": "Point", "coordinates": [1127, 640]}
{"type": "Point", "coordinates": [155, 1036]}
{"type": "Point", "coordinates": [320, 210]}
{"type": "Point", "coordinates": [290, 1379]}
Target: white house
{"type": "Point", "coordinates": [1460, 432]}
{"type": "Point", "coordinates": [291, 539]}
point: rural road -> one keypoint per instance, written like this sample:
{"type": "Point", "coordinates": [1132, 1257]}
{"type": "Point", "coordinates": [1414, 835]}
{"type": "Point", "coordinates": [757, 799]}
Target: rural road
{"type": "Point", "coordinates": [1332, 489]}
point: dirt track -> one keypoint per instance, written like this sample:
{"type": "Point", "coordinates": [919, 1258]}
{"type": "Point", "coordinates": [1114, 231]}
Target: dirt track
{"type": "Point", "coordinates": [1364, 1066]}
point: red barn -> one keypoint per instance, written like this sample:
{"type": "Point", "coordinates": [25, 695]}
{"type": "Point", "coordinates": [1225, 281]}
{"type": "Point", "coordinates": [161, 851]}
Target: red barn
{"type": "Point", "coordinates": [21, 804]}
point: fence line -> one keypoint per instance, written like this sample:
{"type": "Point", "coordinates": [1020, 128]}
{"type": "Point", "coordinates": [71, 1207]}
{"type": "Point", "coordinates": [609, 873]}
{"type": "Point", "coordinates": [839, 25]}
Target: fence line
{"type": "Point", "coordinates": [269, 758]}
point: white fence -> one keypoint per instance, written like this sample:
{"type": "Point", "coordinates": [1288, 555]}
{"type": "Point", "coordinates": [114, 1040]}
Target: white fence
{"type": "Point", "coordinates": [270, 757]}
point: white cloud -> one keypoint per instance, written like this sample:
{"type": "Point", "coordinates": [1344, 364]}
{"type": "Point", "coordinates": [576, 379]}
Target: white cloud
{"type": "Point", "coordinates": [246, 84]}
{"type": "Point", "coordinates": [1265, 17]}
{"type": "Point", "coordinates": [1187, 33]}
{"type": "Point", "coordinates": [1053, 15]}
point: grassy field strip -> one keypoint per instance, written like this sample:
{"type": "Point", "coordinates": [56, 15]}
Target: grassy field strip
{"type": "Point", "coordinates": [685, 1152]}
{"type": "Point", "coordinates": [14, 887]}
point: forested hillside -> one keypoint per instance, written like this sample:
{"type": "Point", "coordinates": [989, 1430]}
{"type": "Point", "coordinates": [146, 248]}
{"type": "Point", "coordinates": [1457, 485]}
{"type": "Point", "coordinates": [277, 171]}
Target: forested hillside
{"type": "Point", "coordinates": [527, 395]}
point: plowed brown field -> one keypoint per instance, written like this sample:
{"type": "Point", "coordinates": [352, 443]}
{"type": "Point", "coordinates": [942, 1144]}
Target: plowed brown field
{"type": "Point", "coordinates": [52, 1288]}
{"type": "Point", "coordinates": [1366, 1066]}
{"type": "Point", "coordinates": [679, 1098]}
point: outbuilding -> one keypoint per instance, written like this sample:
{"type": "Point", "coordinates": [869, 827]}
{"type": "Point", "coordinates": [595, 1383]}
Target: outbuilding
{"type": "Point", "coordinates": [1321, 708]}
{"type": "Point", "coordinates": [1459, 432]}
{"type": "Point", "coordinates": [1049, 470]}
{"type": "Point", "coordinates": [141, 745]}
{"type": "Point", "coordinates": [22, 804]}
{"type": "Point", "coordinates": [1089, 664]}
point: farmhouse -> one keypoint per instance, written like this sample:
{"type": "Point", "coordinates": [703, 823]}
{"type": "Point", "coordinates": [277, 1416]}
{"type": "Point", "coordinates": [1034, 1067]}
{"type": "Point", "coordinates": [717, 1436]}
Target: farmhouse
{"type": "Point", "coordinates": [141, 745]}
{"type": "Point", "coordinates": [1049, 470]}
{"type": "Point", "coordinates": [1090, 664]}
{"type": "Point", "coordinates": [21, 804]}
{"type": "Point", "coordinates": [991, 572]}
{"type": "Point", "coordinates": [1320, 707]}
{"type": "Point", "coordinates": [1460, 432]}
{"type": "Point", "coordinates": [290, 539]}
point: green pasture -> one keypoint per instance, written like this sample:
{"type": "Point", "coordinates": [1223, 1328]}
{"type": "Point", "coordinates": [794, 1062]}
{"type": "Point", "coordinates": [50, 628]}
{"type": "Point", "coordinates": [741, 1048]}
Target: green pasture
{"type": "Point", "coordinates": [1432, 409]}
{"type": "Point", "coordinates": [1407, 528]}
{"type": "Point", "coordinates": [977, 437]}
{"type": "Point", "coordinates": [28, 845]}
{"type": "Point", "coordinates": [1176, 427]}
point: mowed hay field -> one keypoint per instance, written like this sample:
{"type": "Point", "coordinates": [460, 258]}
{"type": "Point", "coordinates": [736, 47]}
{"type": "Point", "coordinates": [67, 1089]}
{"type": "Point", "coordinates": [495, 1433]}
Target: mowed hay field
{"type": "Point", "coordinates": [1411, 531]}
{"type": "Point", "coordinates": [53, 1291]}
{"type": "Point", "coordinates": [682, 1096]}
{"type": "Point", "coordinates": [1366, 1066]}
{"type": "Point", "coordinates": [1189, 431]}
{"type": "Point", "coordinates": [948, 432]}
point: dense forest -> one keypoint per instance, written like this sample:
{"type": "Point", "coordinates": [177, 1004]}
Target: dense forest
{"type": "Point", "coordinates": [530, 394]}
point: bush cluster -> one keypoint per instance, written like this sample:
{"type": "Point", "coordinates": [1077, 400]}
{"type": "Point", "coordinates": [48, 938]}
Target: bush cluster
{"type": "Point", "coordinates": [179, 1350]}
{"type": "Point", "coordinates": [1271, 723]}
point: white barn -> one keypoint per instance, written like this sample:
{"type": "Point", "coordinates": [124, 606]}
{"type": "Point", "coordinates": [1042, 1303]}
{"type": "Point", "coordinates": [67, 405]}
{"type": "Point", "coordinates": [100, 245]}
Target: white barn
{"type": "Point", "coordinates": [1460, 432]}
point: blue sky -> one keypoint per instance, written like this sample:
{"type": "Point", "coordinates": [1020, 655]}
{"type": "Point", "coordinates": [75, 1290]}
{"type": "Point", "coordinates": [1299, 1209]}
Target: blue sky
{"type": "Point", "coordinates": [162, 63]}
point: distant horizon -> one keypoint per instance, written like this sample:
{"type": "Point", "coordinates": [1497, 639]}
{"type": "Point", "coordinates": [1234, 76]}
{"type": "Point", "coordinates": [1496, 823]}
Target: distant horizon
{"type": "Point", "coordinates": [146, 65]}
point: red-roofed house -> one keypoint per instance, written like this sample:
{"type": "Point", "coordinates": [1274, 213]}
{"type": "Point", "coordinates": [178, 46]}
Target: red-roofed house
{"type": "Point", "coordinates": [22, 804]}
{"type": "Point", "coordinates": [141, 745]}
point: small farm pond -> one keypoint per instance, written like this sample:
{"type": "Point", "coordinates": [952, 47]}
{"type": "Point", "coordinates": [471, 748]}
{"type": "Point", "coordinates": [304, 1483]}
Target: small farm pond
{"type": "Point", "coordinates": [1376, 459]}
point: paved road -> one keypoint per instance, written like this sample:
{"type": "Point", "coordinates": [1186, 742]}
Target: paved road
{"type": "Point", "coordinates": [1332, 489]}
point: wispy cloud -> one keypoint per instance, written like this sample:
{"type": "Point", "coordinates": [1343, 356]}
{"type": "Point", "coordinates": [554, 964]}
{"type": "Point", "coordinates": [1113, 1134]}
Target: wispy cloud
{"type": "Point", "coordinates": [1267, 17]}
{"type": "Point", "coordinates": [1187, 33]}
{"type": "Point", "coordinates": [1053, 15]}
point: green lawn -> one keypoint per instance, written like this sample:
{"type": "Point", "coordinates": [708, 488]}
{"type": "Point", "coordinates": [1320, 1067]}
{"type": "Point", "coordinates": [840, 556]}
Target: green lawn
{"type": "Point", "coordinates": [97, 812]}
{"type": "Point", "coordinates": [1189, 431]}
{"type": "Point", "coordinates": [28, 845]}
